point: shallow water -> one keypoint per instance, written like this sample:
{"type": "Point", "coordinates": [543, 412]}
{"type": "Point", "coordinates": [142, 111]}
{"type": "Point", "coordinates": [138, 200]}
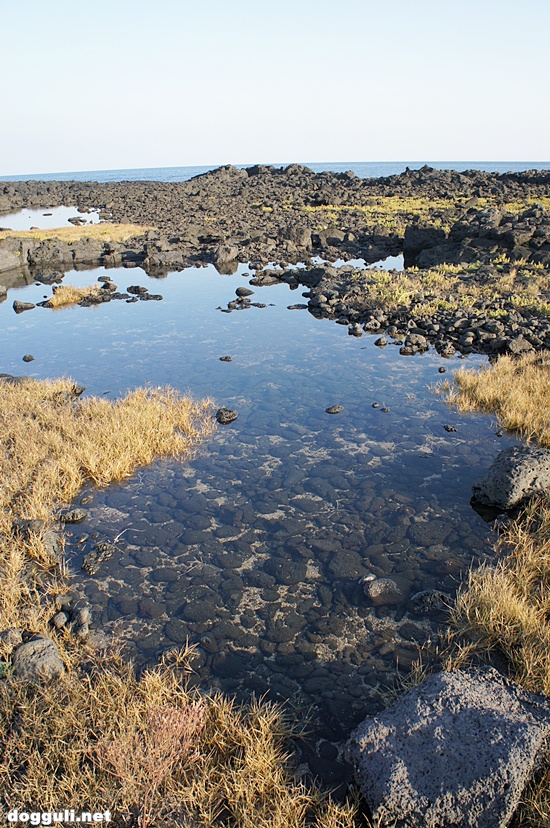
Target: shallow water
{"type": "Point", "coordinates": [253, 551]}
{"type": "Point", "coordinates": [45, 218]}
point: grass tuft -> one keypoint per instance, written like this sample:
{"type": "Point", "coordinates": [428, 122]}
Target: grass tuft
{"type": "Point", "coordinates": [51, 443]}
{"type": "Point", "coordinates": [66, 295]}
{"type": "Point", "coordinates": [516, 390]}
{"type": "Point", "coordinates": [153, 751]}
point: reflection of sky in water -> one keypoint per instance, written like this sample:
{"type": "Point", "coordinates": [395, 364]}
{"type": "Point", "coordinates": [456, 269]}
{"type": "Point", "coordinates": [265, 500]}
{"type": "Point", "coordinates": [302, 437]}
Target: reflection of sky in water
{"type": "Point", "coordinates": [388, 492]}
{"type": "Point", "coordinates": [25, 219]}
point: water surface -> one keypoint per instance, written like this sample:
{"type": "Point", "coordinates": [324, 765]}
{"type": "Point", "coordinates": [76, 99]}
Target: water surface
{"type": "Point", "coordinates": [255, 549]}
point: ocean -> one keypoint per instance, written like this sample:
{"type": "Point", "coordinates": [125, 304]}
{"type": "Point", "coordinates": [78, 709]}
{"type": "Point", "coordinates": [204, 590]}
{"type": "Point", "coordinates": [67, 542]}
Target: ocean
{"type": "Point", "coordinates": [363, 169]}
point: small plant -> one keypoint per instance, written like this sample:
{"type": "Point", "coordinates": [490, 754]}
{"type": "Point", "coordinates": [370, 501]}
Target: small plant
{"type": "Point", "coordinates": [6, 669]}
{"type": "Point", "coordinates": [143, 759]}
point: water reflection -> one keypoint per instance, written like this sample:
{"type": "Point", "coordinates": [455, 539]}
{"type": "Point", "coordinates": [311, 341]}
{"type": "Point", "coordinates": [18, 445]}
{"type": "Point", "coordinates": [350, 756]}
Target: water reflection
{"type": "Point", "coordinates": [46, 218]}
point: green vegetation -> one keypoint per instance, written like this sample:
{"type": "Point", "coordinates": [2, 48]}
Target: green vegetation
{"type": "Point", "coordinates": [450, 287]}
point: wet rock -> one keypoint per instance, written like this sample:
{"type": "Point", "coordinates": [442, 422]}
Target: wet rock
{"type": "Point", "coordinates": [381, 342]}
{"type": "Point", "coordinates": [334, 409]}
{"type": "Point", "coordinates": [38, 660]}
{"type": "Point", "coordinates": [242, 292]}
{"type": "Point", "coordinates": [229, 664]}
{"type": "Point", "coordinates": [19, 307]}
{"type": "Point", "coordinates": [28, 358]}
{"type": "Point", "coordinates": [225, 359]}
{"type": "Point", "coordinates": [518, 474]}
{"type": "Point", "coordinates": [226, 415]}
{"type": "Point", "coordinates": [137, 290]}
{"type": "Point", "coordinates": [459, 749]}
{"type": "Point", "coordinates": [445, 349]}
{"type": "Point", "coordinates": [449, 428]}
{"type": "Point", "coordinates": [383, 592]}
{"type": "Point", "coordinates": [286, 571]}
{"type": "Point", "coordinates": [74, 516]}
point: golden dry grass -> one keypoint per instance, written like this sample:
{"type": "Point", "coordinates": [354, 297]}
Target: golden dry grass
{"type": "Point", "coordinates": [503, 610]}
{"type": "Point", "coordinates": [153, 749]}
{"type": "Point", "coordinates": [150, 750]}
{"type": "Point", "coordinates": [66, 295]}
{"type": "Point", "coordinates": [516, 390]}
{"type": "Point", "coordinates": [104, 231]}
{"type": "Point", "coordinates": [51, 443]}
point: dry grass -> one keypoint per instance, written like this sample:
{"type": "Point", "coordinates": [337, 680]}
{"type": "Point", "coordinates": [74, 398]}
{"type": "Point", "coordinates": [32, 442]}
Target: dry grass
{"type": "Point", "coordinates": [150, 750]}
{"type": "Point", "coordinates": [516, 390]}
{"type": "Point", "coordinates": [154, 750]}
{"type": "Point", "coordinates": [503, 610]}
{"type": "Point", "coordinates": [51, 443]}
{"type": "Point", "coordinates": [66, 295]}
{"type": "Point", "coordinates": [104, 231]}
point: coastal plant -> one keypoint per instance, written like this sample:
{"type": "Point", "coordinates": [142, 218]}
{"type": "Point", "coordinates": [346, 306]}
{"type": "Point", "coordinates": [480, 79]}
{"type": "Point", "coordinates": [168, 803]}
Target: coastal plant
{"type": "Point", "coordinates": [516, 390]}
{"type": "Point", "coordinates": [142, 759]}
{"type": "Point", "coordinates": [502, 612]}
{"type": "Point", "coordinates": [67, 295]}
{"type": "Point", "coordinates": [153, 748]}
{"type": "Point", "coordinates": [51, 443]}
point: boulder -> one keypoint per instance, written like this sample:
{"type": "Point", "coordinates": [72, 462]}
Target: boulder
{"type": "Point", "coordinates": [518, 474]}
{"type": "Point", "coordinates": [38, 660]}
{"type": "Point", "coordinates": [420, 237]}
{"type": "Point", "coordinates": [457, 750]}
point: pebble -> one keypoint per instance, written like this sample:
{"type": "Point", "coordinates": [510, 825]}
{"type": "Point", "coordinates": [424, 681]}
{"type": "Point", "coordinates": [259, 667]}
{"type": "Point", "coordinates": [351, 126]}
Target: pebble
{"type": "Point", "coordinates": [334, 409]}
{"type": "Point", "coordinates": [28, 358]}
{"type": "Point", "coordinates": [225, 359]}
{"type": "Point", "coordinates": [226, 415]}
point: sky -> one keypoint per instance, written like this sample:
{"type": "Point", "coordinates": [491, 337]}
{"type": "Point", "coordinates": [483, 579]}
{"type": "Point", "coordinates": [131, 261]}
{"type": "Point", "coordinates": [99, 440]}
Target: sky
{"type": "Point", "coordinates": [115, 84]}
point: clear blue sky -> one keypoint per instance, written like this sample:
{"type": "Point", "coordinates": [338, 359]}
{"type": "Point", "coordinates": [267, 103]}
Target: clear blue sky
{"type": "Point", "coordinates": [125, 83]}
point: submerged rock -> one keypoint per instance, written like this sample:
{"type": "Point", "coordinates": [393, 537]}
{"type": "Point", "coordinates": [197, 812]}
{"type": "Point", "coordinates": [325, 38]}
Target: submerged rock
{"type": "Point", "coordinates": [93, 560]}
{"type": "Point", "coordinates": [383, 592]}
{"type": "Point", "coordinates": [457, 750]}
{"type": "Point", "coordinates": [74, 516]}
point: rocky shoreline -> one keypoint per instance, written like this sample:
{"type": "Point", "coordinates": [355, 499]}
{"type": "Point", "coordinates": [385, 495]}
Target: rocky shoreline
{"type": "Point", "coordinates": [469, 225]}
